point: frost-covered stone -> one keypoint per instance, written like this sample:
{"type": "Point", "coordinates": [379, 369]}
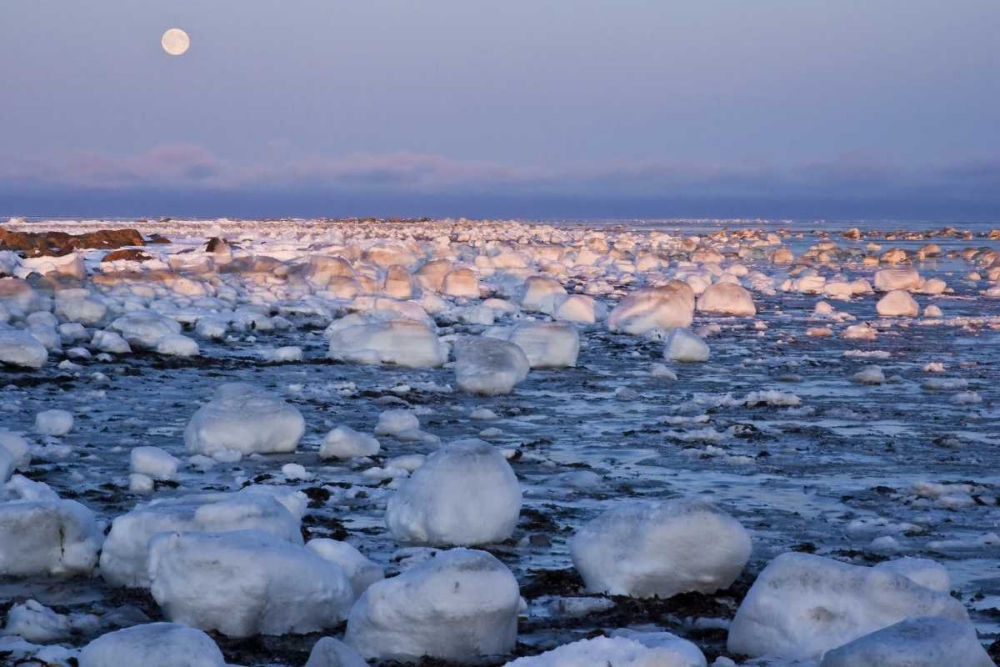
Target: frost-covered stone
{"type": "Point", "coordinates": [124, 557]}
{"type": "Point", "coordinates": [343, 442]}
{"type": "Point", "coordinates": [20, 348]}
{"type": "Point", "coordinates": [465, 494]}
{"type": "Point", "coordinates": [897, 303]}
{"type": "Point", "coordinates": [154, 462]}
{"type": "Point", "coordinates": [803, 605]}
{"type": "Point", "coordinates": [460, 605]}
{"type": "Point", "coordinates": [47, 535]}
{"type": "Point", "coordinates": [726, 298]}
{"type": "Point", "coordinates": [361, 571]}
{"type": "Point", "coordinates": [153, 645]}
{"type": "Point", "coordinates": [54, 422]}
{"type": "Point", "coordinates": [665, 307]}
{"type": "Point", "coordinates": [489, 367]}
{"type": "Point", "coordinates": [330, 652]}
{"type": "Point", "coordinates": [246, 419]}
{"type": "Point", "coordinates": [407, 343]}
{"type": "Point", "coordinates": [654, 649]}
{"type": "Point", "coordinates": [662, 548]}
{"type": "Point", "coordinates": [246, 583]}
{"type": "Point", "coordinates": [686, 347]}
{"type": "Point", "coordinates": [915, 642]}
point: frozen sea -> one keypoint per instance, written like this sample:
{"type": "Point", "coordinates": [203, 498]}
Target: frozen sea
{"type": "Point", "coordinates": [818, 463]}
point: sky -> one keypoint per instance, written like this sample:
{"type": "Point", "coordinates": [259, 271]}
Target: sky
{"type": "Point", "coordinates": [514, 108]}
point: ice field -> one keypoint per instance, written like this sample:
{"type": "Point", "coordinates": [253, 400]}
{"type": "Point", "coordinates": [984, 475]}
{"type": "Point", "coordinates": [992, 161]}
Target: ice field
{"type": "Point", "coordinates": [450, 442]}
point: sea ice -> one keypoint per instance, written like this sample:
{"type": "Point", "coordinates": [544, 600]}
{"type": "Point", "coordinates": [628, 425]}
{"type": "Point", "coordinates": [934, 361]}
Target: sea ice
{"type": "Point", "coordinates": [914, 642]}
{"type": "Point", "coordinates": [660, 649]}
{"type": "Point", "coordinates": [465, 494]}
{"type": "Point", "coordinates": [665, 307]}
{"type": "Point", "coordinates": [460, 605]}
{"type": "Point", "coordinates": [153, 645]}
{"type": "Point", "coordinates": [343, 442]}
{"type": "Point", "coordinates": [661, 548]}
{"type": "Point", "coordinates": [803, 605]}
{"type": "Point", "coordinates": [245, 583]}
{"type": "Point", "coordinates": [246, 419]}
{"type": "Point", "coordinates": [684, 346]}
{"type": "Point", "coordinates": [489, 367]}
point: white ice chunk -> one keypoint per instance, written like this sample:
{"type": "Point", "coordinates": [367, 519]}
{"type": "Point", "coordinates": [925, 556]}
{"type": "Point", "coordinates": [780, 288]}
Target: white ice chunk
{"type": "Point", "coordinates": [924, 571]}
{"type": "Point", "coordinates": [343, 442]}
{"type": "Point", "coordinates": [54, 422]}
{"type": "Point", "coordinates": [153, 645]}
{"type": "Point", "coordinates": [664, 307]}
{"type": "Point", "coordinates": [620, 651]}
{"type": "Point", "coordinates": [20, 348]}
{"type": "Point", "coordinates": [489, 367]}
{"type": "Point", "coordinates": [915, 642]}
{"type": "Point", "coordinates": [726, 298]}
{"type": "Point", "coordinates": [465, 494]}
{"type": "Point", "coordinates": [407, 343]}
{"type": "Point", "coordinates": [663, 548]}
{"type": "Point", "coordinates": [246, 583]}
{"type": "Point", "coordinates": [51, 536]}
{"type": "Point", "coordinates": [803, 605]}
{"type": "Point", "coordinates": [460, 605]}
{"type": "Point", "coordinates": [359, 569]}
{"type": "Point", "coordinates": [154, 462]}
{"type": "Point", "coordinates": [330, 652]}
{"type": "Point", "coordinates": [178, 345]}
{"type": "Point", "coordinates": [898, 303]}
{"type": "Point", "coordinates": [246, 419]}
{"type": "Point", "coordinates": [685, 346]}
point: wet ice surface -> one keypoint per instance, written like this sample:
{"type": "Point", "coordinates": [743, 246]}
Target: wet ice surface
{"type": "Point", "coordinates": [854, 471]}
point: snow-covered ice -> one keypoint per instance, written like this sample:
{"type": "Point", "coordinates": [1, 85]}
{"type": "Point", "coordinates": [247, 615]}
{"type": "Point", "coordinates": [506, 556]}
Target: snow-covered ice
{"type": "Point", "coordinates": [153, 645]}
{"type": "Point", "coordinates": [247, 419]}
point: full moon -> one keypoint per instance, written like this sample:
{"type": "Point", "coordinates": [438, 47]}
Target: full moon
{"type": "Point", "coordinates": [175, 42]}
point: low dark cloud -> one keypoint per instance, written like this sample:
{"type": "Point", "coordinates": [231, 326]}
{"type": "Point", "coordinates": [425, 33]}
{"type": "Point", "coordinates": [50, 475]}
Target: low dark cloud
{"type": "Point", "coordinates": [191, 180]}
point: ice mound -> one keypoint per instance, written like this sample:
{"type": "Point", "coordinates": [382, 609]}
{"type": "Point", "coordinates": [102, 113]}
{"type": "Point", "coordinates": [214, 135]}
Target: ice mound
{"type": "Point", "coordinates": [662, 548]}
{"type": "Point", "coordinates": [54, 422]}
{"type": "Point", "coordinates": [664, 307]}
{"type": "Point", "coordinates": [18, 448]}
{"type": "Point", "coordinates": [464, 494]}
{"type": "Point", "coordinates": [546, 344]}
{"type": "Point", "coordinates": [726, 298]}
{"type": "Point", "coordinates": [343, 442]}
{"type": "Point", "coordinates": [77, 306]}
{"type": "Point", "coordinates": [897, 303]}
{"type": "Point", "coordinates": [686, 347]}
{"type": "Point", "coordinates": [145, 328]}
{"type": "Point", "coordinates": [402, 342]}
{"type": "Point", "coordinates": [887, 280]}
{"type": "Point", "coordinates": [489, 367]}
{"type": "Point", "coordinates": [661, 650]}
{"type": "Point", "coordinates": [246, 419]}
{"type": "Point", "coordinates": [542, 294]}
{"type": "Point", "coordinates": [330, 652]}
{"type": "Point", "coordinates": [153, 462]}
{"type": "Point", "coordinates": [924, 571]}
{"type": "Point", "coordinates": [124, 557]}
{"type": "Point", "coordinates": [110, 342]}
{"type": "Point", "coordinates": [41, 533]}
{"type": "Point", "coordinates": [35, 622]}
{"type": "Point", "coordinates": [915, 642]}
{"type": "Point", "coordinates": [802, 606]}
{"type": "Point", "coordinates": [361, 571]}
{"type": "Point", "coordinates": [246, 583]}
{"type": "Point", "coordinates": [153, 645]}
{"type": "Point", "coordinates": [578, 308]}
{"type": "Point", "coordinates": [20, 348]}
{"type": "Point", "coordinates": [459, 605]}
{"type": "Point", "coordinates": [177, 345]}
{"type": "Point", "coordinates": [460, 283]}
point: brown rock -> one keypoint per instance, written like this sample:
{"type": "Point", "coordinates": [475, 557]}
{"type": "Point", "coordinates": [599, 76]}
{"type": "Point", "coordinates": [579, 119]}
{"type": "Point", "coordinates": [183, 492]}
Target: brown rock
{"type": "Point", "coordinates": [55, 244]}
{"type": "Point", "coordinates": [129, 254]}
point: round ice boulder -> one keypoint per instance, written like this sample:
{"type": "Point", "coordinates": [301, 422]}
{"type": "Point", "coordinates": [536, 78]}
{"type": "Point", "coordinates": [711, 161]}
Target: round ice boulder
{"type": "Point", "coordinates": [801, 606]}
{"type": "Point", "coordinates": [18, 447]}
{"type": "Point", "coordinates": [54, 422]}
{"type": "Point", "coordinates": [460, 605]}
{"type": "Point", "coordinates": [47, 535]}
{"type": "Point", "coordinates": [924, 571]}
{"type": "Point", "coordinates": [124, 558]}
{"type": "Point", "coordinates": [177, 345]}
{"type": "Point", "coordinates": [489, 367]}
{"type": "Point", "coordinates": [361, 571]}
{"type": "Point", "coordinates": [246, 419]}
{"type": "Point", "coordinates": [343, 442]}
{"type": "Point", "coordinates": [685, 346]}
{"type": "Point", "coordinates": [662, 548]}
{"type": "Point", "coordinates": [246, 583]}
{"type": "Point", "coordinates": [20, 348]}
{"type": "Point", "coordinates": [652, 649]}
{"type": "Point", "coordinates": [547, 344]}
{"type": "Point", "coordinates": [465, 494]}
{"type": "Point", "coordinates": [330, 652]}
{"type": "Point", "coordinates": [915, 642]}
{"type": "Point", "coordinates": [664, 307]}
{"type": "Point", "coordinates": [145, 328]}
{"type": "Point", "coordinates": [887, 280]}
{"type": "Point", "coordinates": [153, 645]}
{"type": "Point", "coordinates": [153, 462]}
{"type": "Point", "coordinates": [897, 303]}
{"type": "Point", "coordinates": [461, 283]}
{"type": "Point", "coordinates": [578, 308]}
{"type": "Point", "coordinates": [402, 342]}
{"type": "Point", "coordinates": [726, 298]}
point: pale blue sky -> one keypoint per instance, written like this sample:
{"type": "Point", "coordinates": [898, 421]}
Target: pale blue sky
{"type": "Point", "coordinates": [440, 105]}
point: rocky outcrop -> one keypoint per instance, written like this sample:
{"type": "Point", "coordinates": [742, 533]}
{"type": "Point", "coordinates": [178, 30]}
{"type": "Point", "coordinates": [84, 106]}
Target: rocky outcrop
{"type": "Point", "coordinates": [56, 244]}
